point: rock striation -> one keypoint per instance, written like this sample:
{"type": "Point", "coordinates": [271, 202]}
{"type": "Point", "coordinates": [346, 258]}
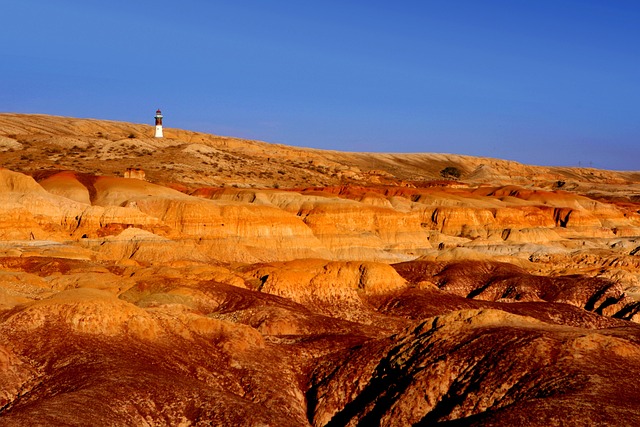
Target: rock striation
{"type": "Point", "coordinates": [220, 281]}
{"type": "Point", "coordinates": [479, 367]}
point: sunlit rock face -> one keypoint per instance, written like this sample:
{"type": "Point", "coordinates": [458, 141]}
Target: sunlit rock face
{"type": "Point", "coordinates": [242, 283]}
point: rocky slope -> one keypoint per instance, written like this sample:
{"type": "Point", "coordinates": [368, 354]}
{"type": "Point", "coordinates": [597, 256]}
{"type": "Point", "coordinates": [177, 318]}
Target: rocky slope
{"type": "Point", "coordinates": [206, 280]}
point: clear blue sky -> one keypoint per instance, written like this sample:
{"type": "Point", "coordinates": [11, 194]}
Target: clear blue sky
{"type": "Point", "coordinates": [551, 82]}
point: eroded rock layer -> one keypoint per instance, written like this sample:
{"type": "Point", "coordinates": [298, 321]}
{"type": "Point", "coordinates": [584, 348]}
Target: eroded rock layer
{"type": "Point", "coordinates": [205, 280]}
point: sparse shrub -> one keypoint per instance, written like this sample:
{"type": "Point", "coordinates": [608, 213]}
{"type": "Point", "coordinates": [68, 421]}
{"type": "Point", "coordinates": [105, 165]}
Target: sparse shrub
{"type": "Point", "coordinates": [131, 136]}
{"type": "Point", "coordinates": [450, 172]}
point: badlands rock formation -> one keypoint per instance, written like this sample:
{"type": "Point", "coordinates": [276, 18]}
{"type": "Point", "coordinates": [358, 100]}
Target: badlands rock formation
{"type": "Point", "coordinates": [207, 280]}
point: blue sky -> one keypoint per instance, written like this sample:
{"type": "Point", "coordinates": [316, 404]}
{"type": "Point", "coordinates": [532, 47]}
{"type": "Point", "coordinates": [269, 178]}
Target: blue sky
{"type": "Point", "coordinates": [537, 81]}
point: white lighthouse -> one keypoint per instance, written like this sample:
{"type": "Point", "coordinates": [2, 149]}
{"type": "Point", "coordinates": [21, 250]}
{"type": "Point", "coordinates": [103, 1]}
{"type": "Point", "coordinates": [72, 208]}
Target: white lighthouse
{"type": "Point", "coordinates": [158, 118]}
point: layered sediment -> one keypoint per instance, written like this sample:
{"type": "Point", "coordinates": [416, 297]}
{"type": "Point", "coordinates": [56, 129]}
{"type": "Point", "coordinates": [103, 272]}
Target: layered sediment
{"type": "Point", "coordinates": [207, 280]}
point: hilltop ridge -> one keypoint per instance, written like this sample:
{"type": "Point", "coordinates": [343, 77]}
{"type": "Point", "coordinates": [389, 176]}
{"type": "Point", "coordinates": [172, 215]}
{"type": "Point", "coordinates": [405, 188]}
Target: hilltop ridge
{"type": "Point", "coordinates": [34, 142]}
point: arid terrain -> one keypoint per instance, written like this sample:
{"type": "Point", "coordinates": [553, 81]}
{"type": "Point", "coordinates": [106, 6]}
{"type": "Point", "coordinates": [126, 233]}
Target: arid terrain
{"type": "Point", "coordinates": [207, 280]}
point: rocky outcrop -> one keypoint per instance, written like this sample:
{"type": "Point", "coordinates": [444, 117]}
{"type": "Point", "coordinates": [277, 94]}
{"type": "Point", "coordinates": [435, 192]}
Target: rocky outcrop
{"type": "Point", "coordinates": [348, 229]}
{"type": "Point", "coordinates": [493, 281]}
{"type": "Point", "coordinates": [135, 173]}
{"type": "Point", "coordinates": [479, 367]}
{"type": "Point", "coordinates": [67, 184]}
{"type": "Point", "coordinates": [365, 224]}
{"type": "Point", "coordinates": [337, 289]}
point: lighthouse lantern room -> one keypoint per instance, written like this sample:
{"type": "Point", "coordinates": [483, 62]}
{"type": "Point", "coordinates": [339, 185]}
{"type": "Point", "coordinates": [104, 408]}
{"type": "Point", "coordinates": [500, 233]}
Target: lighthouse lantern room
{"type": "Point", "coordinates": [158, 118]}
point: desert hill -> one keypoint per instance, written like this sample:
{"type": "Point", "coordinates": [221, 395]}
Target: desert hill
{"type": "Point", "coordinates": [36, 142]}
{"type": "Point", "coordinates": [207, 280]}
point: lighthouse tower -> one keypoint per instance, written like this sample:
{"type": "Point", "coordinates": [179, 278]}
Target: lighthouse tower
{"type": "Point", "coordinates": [158, 118]}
